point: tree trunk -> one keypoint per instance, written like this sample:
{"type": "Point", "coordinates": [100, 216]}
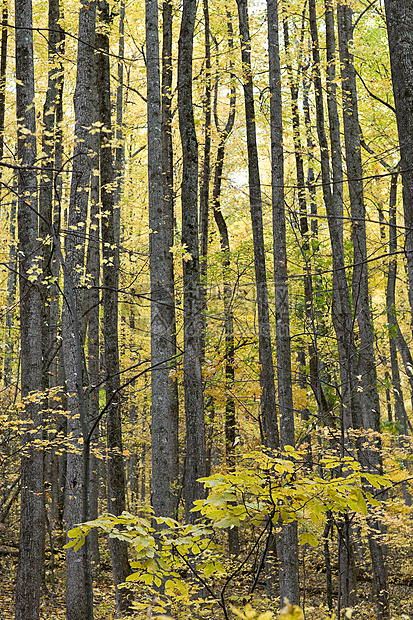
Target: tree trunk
{"type": "Point", "coordinates": [230, 412]}
{"type": "Point", "coordinates": [399, 15]}
{"type": "Point", "coordinates": [305, 246]}
{"type": "Point", "coordinates": [168, 227]}
{"type": "Point", "coordinates": [54, 317]}
{"type": "Point", "coordinates": [11, 291]}
{"type": "Point", "coordinates": [51, 139]}
{"type": "Point", "coordinates": [399, 409]}
{"type": "Point", "coordinates": [371, 456]}
{"type": "Point", "coordinates": [93, 329]}
{"type": "Point", "coordinates": [79, 594]}
{"type": "Point", "coordinates": [287, 540]}
{"type": "Point", "coordinates": [360, 286]}
{"type": "Point", "coordinates": [268, 402]}
{"type": "Point", "coordinates": [120, 148]}
{"type": "Point", "coordinates": [3, 66]}
{"type": "Point", "coordinates": [341, 306]}
{"type": "Point", "coordinates": [32, 525]}
{"type": "Point", "coordinates": [164, 424]}
{"type": "Point", "coordinates": [350, 409]}
{"type": "Point", "coordinates": [194, 402]}
{"type": "Point", "coordinates": [110, 277]}
{"type": "Point", "coordinates": [400, 415]}
{"type": "Point", "coordinates": [205, 176]}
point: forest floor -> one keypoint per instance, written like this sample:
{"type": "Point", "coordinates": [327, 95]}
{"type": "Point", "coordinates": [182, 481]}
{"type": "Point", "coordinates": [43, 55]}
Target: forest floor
{"type": "Point", "coordinates": [313, 590]}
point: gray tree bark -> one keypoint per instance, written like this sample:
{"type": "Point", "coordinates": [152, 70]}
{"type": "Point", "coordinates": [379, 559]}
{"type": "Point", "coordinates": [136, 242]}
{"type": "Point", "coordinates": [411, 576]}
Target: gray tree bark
{"type": "Point", "coordinates": [399, 16]}
{"type": "Point", "coordinates": [32, 525]}
{"type": "Point", "coordinates": [399, 409]}
{"type": "Point", "coordinates": [315, 383]}
{"type": "Point", "coordinates": [400, 413]}
{"type": "Point", "coordinates": [3, 67]}
{"type": "Point", "coordinates": [92, 303]}
{"type": "Point", "coordinates": [79, 595]}
{"type": "Point", "coordinates": [360, 285]}
{"type": "Point", "coordinates": [350, 410]}
{"type": "Point", "coordinates": [341, 312]}
{"type": "Point", "coordinates": [164, 423]}
{"type": "Point", "coordinates": [120, 148]}
{"type": "Point", "coordinates": [169, 219]}
{"type": "Point", "coordinates": [268, 403]}
{"type": "Point", "coordinates": [55, 310]}
{"type": "Point", "coordinates": [287, 540]}
{"type": "Point", "coordinates": [47, 196]}
{"type": "Point", "coordinates": [230, 410]}
{"type": "Point", "coordinates": [194, 402]}
{"type": "Point", "coordinates": [370, 457]}
{"type": "Point", "coordinates": [48, 206]}
{"type": "Point", "coordinates": [11, 290]}
{"type": "Point", "coordinates": [110, 278]}
{"type": "Point", "coordinates": [205, 175]}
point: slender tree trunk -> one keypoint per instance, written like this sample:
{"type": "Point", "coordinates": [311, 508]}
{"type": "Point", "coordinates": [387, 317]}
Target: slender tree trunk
{"type": "Point", "coordinates": [360, 286]}
{"type": "Point", "coordinates": [47, 205]}
{"type": "Point", "coordinates": [287, 540]}
{"type": "Point", "coordinates": [93, 330]}
{"type": "Point", "coordinates": [341, 306]}
{"type": "Point", "coordinates": [168, 227]}
{"type": "Point", "coordinates": [31, 545]}
{"type": "Point", "coordinates": [205, 176]}
{"type": "Point", "coordinates": [230, 412]}
{"type": "Point", "coordinates": [11, 293]}
{"type": "Point", "coordinates": [54, 316]}
{"type": "Point", "coordinates": [164, 424]}
{"type": "Point", "coordinates": [400, 414]}
{"type": "Point", "coordinates": [399, 409]}
{"type": "Point", "coordinates": [110, 277]}
{"type": "Point", "coordinates": [79, 594]}
{"type": "Point", "coordinates": [3, 66]}
{"type": "Point", "coordinates": [166, 105]}
{"type": "Point", "coordinates": [305, 247]}
{"type": "Point", "coordinates": [399, 15]}
{"type": "Point", "coordinates": [62, 464]}
{"type": "Point", "coordinates": [268, 402]}
{"type": "Point", "coordinates": [50, 138]}
{"type": "Point", "coordinates": [310, 154]}
{"type": "Point", "coordinates": [360, 291]}
{"type": "Point", "coordinates": [194, 402]}
{"type": "Point", "coordinates": [120, 148]}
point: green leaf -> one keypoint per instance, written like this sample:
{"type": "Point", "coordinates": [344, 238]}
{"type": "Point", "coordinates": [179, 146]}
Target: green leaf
{"type": "Point", "coordinates": [75, 532]}
{"type": "Point", "coordinates": [308, 537]}
{"type": "Point", "coordinates": [209, 569]}
{"type": "Point", "coordinates": [134, 577]}
{"type": "Point", "coordinates": [79, 544]}
{"type": "Point", "coordinates": [70, 544]}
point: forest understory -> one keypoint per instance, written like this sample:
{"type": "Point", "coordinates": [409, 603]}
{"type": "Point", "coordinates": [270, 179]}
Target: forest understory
{"type": "Point", "coordinates": [313, 592]}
